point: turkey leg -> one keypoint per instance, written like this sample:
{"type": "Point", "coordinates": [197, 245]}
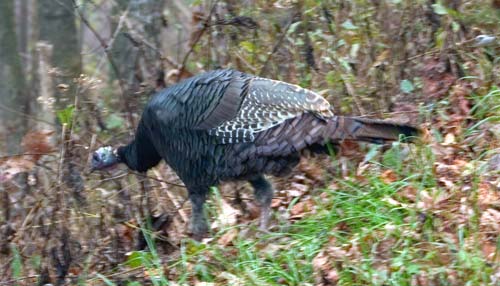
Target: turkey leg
{"type": "Point", "coordinates": [263, 191]}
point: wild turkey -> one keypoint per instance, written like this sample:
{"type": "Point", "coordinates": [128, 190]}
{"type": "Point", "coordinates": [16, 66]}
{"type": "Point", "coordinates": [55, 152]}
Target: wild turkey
{"type": "Point", "coordinates": [226, 125]}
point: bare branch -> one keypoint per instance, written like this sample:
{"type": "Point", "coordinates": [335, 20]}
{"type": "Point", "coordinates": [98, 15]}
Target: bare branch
{"type": "Point", "coordinates": [106, 45]}
{"type": "Point", "coordinates": [206, 25]}
{"type": "Point", "coordinates": [277, 45]}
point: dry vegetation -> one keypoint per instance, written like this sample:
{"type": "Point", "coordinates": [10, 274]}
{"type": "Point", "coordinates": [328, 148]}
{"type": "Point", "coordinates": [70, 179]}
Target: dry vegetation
{"type": "Point", "coordinates": [399, 215]}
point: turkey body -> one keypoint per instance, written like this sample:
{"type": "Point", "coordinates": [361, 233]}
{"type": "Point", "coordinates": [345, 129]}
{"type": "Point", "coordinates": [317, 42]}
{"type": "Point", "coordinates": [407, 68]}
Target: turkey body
{"type": "Point", "coordinates": [227, 125]}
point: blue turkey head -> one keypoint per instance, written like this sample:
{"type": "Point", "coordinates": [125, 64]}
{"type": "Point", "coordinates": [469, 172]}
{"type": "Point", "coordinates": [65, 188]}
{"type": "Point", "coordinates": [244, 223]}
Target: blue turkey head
{"type": "Point", "coordinates": [104, 158]}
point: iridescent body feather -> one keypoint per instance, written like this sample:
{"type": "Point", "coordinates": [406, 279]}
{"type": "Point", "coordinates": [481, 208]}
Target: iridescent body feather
{"type": "Point", "coordinates": [228, 125]}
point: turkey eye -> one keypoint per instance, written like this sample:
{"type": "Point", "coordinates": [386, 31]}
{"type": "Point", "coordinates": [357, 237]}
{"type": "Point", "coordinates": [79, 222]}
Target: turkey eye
{"type": "Point", "coordinates": [95, 157]}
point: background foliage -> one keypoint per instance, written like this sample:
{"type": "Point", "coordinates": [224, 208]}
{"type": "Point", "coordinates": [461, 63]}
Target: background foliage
{"type": "Point", "coordinates": [75, 75]}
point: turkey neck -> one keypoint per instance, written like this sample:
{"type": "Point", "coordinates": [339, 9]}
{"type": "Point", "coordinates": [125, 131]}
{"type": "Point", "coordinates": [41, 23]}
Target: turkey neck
{"type": "Point", "coordinates": [140, 154]}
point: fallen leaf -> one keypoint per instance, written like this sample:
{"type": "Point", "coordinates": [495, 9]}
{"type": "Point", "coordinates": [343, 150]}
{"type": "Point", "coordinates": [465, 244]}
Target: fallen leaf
{"type": "Point", "coordinates": [15, 165]}
{"type": "Point", "coordinates": [337, 253]}
{"type": "Point", "coordinates": [276, 202]}
{"type": "Point", "coordinates": [449, 139]}
{"type": "Point", "coordinates": [388, 176]}
{"type": "Point", "coordinates": [391, 201]}
{"type": "Point", "coordinates": [231, 279]}
{"type": "Point", "coordinates": [381, 59]}
{"type": "Point", "coordinates": [311, 171]}
{"type": "Point", "coordinates": [38, 143]}
{"type": "Point", "coordinates": [332, 276]}
{"type": "Point", "coordinates": [294, 193]}
{"type": "Point", "coordinates": [324, 270]}
{"type": "Point", "coordinates": [431, 201]}
{"type": "Point", "coordinates": [202, 283]}
{"type": "Point", "coordinates": [301, 208]}
{"type": "Point", "coordinates": [252, 210]}
{"type": "Point", "coordinates": [490, 219]}
{"type": "Point", "coordinates": [320, 261]}
{"type": "Point", "coordinates": [421, 279]}
{"type": "Point", "coordinates": [404, 112]}
{"type": "Point", "coordinates": [350, 149]}
{"type": "Point", "coordinates": [301, 188]}
{"type": "Point", "coordinates": [487, 196]}
{"type": "Point", "coordinates": [126, 232]}
{"type": "Point", "coordinates": [458, 96]}
{"type": "Point", "coordinates": [409, 193]}
{"type": "Point", "coordinates": [228, 237]}
{"type": "Point", "coordinates": [228, 215]}
{"type": "Point", "coordinates": [154, 273]}
{"type": "Point", "coordinates": [489, 250]}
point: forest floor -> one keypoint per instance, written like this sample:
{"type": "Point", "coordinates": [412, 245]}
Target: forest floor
{"type": "Point", "coordinates": [411, 215]}
{"type": "Point", "coordinates": [420, 214]}
{"type": "Point", "coordinates": [405, 214]}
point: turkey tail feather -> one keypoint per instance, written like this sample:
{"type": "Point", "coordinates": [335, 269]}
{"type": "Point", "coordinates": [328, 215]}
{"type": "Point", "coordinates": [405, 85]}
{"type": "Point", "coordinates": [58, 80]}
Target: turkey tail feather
{"type": "Point", "coordinates": [370, 130]}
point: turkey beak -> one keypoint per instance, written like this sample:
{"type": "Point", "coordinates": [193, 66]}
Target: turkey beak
{"type": "Point", "coordinates": [92, 166]}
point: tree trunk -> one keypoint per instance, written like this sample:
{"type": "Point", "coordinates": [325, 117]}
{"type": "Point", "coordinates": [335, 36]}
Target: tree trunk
{"type": "Point", "coordinates": [57, 26]}
{"type": "Point", "coordinates": [45, 109]}
{"type": "Point", "coordinates": [136, 65]}
{"type": "Point", "coordinates": [12, 87]}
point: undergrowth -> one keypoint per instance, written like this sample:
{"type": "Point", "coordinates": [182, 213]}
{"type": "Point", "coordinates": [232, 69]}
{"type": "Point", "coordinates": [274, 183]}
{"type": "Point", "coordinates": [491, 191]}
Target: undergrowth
{"type": "Point", "coordinates": [372, 232]}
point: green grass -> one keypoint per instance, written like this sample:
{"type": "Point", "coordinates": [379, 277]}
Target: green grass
{"type": "Point", "coordinates": [369, 231]}
{"type": "Point", "coordinates": [285, 258]}
{"type": "Point", "coordinates": [355, 215]}
{"type": "Point", "coordinates": [368, 239]}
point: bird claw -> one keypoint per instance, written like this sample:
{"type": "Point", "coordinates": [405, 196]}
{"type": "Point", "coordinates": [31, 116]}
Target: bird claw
{"type": "Point", "coordinates": [198, 229]}
{"type": "Point", "coordinates": [198, 236]}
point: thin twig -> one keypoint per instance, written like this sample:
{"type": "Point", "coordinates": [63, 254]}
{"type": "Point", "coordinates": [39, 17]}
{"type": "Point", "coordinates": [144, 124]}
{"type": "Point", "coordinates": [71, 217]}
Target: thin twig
{"type": "Point", "coordinates": [350, 89]}
{"type": "Point", "coordinates": [60, 190]}
{"type": "Point", "coordinates": [119, 176]}
{"type": "Point", "coordinates": [352, 93]}
{"type": "Point", "coordinates": [173, 199]}
{"type": "Point", "coordinates": [106, 47]}
{"type": "Point", "coordinates": [245, 62]}
{"type": "Point", "coordinates": [89, 157]}
{"type": "Point", "coordinates": [156, 179]}
{"type": "Point", "coordinates": [9, 109]}
{"type": "Point", "coordinates": [121, 21]}
{"type": "Point", "coordinates": [115, 274]}
{"type": "Point", "coordinates": [20, 233]}
{"type": "Point", "coordinates": [277, 45]}
{"type": "Point", "coordinates": [12, 281]}
{"type": "Point", "coordinates": [57, 222]}
{"type": "Point", "coordinates": [461, 45]}
{"type": "Point", "coordinates": [206, 25]}
{"type": "Point", "coordinates": [24, 154]}
{"type": "Point", "coordinates": [137, 39]}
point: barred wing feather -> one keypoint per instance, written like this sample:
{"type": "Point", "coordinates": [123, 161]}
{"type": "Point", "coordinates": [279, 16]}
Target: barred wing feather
{"type": "Point", "coordinates": [267, 103]}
